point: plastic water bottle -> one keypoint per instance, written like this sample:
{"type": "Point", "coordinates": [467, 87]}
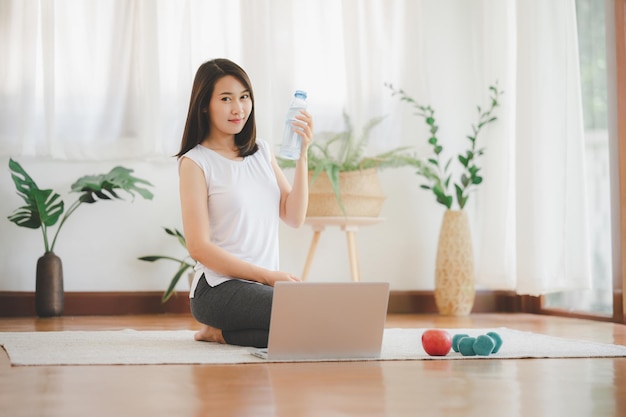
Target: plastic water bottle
{"type": "Point", "coordinates": [292, 142]}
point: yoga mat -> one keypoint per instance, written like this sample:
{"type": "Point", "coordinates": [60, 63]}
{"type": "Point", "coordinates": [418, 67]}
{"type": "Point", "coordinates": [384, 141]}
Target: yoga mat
{"type": "Point", "coordinates": [143, 347]}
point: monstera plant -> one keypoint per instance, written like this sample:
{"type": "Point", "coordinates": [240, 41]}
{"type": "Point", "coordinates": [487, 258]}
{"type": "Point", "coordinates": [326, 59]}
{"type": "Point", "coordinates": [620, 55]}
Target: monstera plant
{"type": "Point", "coordinates": [44, 208]}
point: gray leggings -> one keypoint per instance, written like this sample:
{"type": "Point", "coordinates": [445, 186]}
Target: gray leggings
{"type": "Point", "coordinates": [240, 309]}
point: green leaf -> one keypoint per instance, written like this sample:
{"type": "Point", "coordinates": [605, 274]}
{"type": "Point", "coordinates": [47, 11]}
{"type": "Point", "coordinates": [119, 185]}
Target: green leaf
{"type": "Point", "coordinates": [438, 190]}
{"type": "Point", "coordinates": [43, 207]}
{"type": "Point", "coordinates": [432, 140]}
{"type": "Point", "coordinates": [333, 175]}
{"type": "Point", "coordinates": [438, 149]}
{"type": "Point", "coordinates": [170, 289]}
{"type": "Point", "coordinates": [103, 186]}
{"type": "Point", "coordinates": [459, 191]}
{"type": "Point", "coordinates": [154, 258]}
{"type": "Point", "coordinates": [430, 120]}
{"type": "Point", "coordinates": [446, 201]}
{"type": "Point", "coordinates": [183, 264]}
{"type": "Point", "coordinates": [178, 235]}
{"type": "Point", "coordinates": [442, 197]}
{"type": "Point", "coordinates": [459, 196]}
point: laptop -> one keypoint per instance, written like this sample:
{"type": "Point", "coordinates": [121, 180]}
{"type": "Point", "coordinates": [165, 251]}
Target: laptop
{"type": "Point", "coordinates": [324, 321]}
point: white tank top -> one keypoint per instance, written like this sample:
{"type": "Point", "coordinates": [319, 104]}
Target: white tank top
{"type": "Point", "coordinates": [244, 208]}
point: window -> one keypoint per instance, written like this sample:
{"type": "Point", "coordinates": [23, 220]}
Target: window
{"type": "Point", "coordinates": [593, 76]}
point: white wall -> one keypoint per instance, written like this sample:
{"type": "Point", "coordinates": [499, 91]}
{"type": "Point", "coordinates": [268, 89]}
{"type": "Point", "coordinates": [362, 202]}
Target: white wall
{"type": "Point", "coordinates": [100, 243]}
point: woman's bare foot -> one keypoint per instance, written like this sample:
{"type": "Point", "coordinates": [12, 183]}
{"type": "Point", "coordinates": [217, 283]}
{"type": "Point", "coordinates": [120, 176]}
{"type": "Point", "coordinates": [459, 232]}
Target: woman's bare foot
{"type": "Point", "coordinates": [209, 334]}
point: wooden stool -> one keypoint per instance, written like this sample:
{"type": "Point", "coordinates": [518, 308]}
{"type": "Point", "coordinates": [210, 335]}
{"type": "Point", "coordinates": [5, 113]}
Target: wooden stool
{"type": "Point", "coordinates": [348, 224]}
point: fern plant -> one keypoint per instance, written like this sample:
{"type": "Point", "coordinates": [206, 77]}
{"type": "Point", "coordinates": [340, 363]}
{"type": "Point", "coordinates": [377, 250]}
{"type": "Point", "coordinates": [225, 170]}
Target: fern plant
{"type": "Point", "coordinates": [344, 151]}
{"type": "Point", "coordinates": [436, 169]}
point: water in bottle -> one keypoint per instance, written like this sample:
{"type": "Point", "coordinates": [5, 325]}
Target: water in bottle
{"type": "Point", "coordinates": [292, 142]}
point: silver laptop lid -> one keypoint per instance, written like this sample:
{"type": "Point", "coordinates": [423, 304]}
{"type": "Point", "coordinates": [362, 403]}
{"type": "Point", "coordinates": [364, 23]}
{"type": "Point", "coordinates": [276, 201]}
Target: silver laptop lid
{"type": "Point", "coordinates": [312, 320]}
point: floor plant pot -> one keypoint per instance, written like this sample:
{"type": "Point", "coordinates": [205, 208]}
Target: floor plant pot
{"type": "Point", "coordinates": [49, 286]}
{"type": "Point", "coordinates": [361, 195]}
{"type": "Point", "coordinates": [454, 270]}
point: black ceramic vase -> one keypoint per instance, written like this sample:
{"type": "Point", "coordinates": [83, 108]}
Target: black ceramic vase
{"type": "Point", "coordinates": [49, 286]}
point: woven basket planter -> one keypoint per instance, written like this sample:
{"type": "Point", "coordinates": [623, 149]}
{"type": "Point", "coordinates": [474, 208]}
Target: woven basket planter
{"type": "Point", "coordinates": [361, 195]}
{"type": "Point", "coordinates": [454, 270]}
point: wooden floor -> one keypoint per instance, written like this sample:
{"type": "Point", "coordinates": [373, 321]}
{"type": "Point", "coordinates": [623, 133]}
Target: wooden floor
{"type": "Point", "coordinates": [485, 388]}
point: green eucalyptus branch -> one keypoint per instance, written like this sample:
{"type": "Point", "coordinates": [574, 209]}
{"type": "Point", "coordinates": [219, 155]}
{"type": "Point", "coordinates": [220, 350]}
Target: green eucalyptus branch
{"type": "Point", "coordinates": [436, 170]}
{"type": "Point", "coordinates": [470, 177]}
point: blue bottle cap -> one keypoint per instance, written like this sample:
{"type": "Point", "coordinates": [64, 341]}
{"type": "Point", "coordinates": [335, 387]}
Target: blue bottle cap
{"type": "Point", "coordinates": [300, 93]}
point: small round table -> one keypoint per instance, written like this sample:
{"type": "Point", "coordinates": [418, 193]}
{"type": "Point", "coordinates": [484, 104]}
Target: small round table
{"type": "Point", "coordinates": [348, 224]}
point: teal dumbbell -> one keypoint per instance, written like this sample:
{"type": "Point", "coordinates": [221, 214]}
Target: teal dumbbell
{"type": "Point", "coordinates": [455, 340]}
{"type": "Point", "coordinates": [482, 345]}
{"type": "Point", "coordinates": [496, 338]}
{"type": "Point", "coordinates": [466, 346]}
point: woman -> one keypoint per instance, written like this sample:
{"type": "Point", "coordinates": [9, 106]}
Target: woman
{"type": "Point", "coordinates": [232, 195]}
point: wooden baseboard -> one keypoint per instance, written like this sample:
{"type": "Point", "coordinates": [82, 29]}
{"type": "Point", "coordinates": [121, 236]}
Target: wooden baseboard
{"type": "Point", "coordinates": [22, 304]}
{"type": "Point", "coordinates": [423, 302]}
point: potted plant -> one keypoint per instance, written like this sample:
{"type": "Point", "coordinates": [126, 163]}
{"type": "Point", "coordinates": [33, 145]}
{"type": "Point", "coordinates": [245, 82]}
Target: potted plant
{"type": "Point", "coordinates": [342, 179]}
{"type": "Point", "coordinates": [183, 263]}
{"type": "Point", "coordinates": [44, 208]}
{"type": "Point", "coordinates": [454, 271]}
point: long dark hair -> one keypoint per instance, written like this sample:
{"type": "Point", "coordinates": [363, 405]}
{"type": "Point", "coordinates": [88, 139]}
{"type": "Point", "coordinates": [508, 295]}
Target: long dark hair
{"type": "Point", "coordinates": [197, 125]}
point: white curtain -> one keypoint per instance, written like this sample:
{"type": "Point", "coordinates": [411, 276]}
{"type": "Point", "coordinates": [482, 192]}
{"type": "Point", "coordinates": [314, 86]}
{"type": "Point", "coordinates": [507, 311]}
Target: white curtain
{"type": "Point", "coordinates": [550, 185]}
{"type": "Point", "coordinates": [95, 80]}
{"type": "Point", "coordinates": [532, 217]}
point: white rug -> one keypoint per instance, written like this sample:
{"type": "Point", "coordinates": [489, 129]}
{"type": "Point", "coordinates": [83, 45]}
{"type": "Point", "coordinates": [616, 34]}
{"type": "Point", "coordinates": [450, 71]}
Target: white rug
{"type": "Point", "coordinates": [139, 347]}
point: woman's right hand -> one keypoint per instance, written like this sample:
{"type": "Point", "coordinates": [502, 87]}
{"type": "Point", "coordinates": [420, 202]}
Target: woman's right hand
{"type": "Point", "coordinates": [273, 277]}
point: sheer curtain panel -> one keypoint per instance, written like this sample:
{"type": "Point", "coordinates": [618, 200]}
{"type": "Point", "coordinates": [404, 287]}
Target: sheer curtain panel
{"type": "Point", "coordinates": [110, 80]}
